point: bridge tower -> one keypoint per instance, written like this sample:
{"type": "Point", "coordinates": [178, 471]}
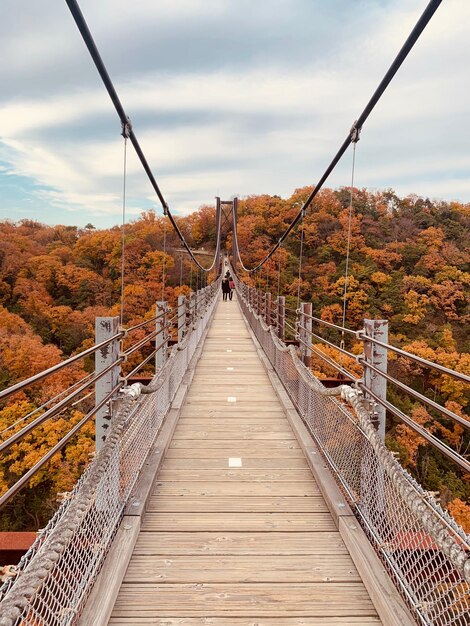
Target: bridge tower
{"type": "Point", "coordinates": [227, 210]}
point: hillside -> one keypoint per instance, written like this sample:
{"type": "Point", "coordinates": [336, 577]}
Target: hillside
{"type": "Point", "coordinates": [409, 264]}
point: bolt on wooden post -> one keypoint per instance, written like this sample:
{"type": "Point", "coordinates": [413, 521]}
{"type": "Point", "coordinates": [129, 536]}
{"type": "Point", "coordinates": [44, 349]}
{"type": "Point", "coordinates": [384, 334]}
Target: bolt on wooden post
{"type": "Point", "coordinates": [105, 328]}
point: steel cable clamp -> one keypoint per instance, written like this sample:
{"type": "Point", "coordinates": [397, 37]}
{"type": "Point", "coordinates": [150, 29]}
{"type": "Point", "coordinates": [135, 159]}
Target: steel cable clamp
{"type": "Point", "coordinates": [355, 133]}
{"type": "Point", "coordinates": [126, 128]}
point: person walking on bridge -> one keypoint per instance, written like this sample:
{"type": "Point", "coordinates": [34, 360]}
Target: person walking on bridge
{"type": "Point", "coordinates": [226, 291]}
{"type": "Point", "coordinates": [231, 284]}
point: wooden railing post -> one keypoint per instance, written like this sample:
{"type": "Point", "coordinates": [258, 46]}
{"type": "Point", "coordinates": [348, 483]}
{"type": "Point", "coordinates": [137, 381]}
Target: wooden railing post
{"type": "Point", "coordinates": [306, 332]}
{"type": "Point", "coordinates": [281, 317]}
{"type": "Point", "coordinates": [162, 336]}
{"type": "Point", "coordinates": [267, 308]}
{"type": "Point", "coordinates": [376, 356]}
{"type": "Point", "coordinates": [181, 318]}
{"type": "Point", "coordinates": [105, 327]}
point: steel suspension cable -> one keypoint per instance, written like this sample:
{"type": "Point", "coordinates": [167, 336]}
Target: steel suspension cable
{"type": "Point", "coordinates": [125, 120]}
{"type": "Point", "coordinates": [348, 249]}
{"type": "Point", "coordinates": [300, 262]}
{"type": "Point", "coordinates": [164, 261]}
{"type": "Point", "coordinates": [354, 133]}
{"type": "Point", "coordinates": [125, 131]}
{"type": "Point", "coordinates": [348, 244]}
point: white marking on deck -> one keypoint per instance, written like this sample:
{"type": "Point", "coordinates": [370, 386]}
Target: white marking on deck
{"type": "Point", "coordinates": [234, 461]}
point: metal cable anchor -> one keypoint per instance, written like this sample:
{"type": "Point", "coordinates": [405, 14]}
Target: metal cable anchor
{"type": "Point", "coordinates": [355, 132]}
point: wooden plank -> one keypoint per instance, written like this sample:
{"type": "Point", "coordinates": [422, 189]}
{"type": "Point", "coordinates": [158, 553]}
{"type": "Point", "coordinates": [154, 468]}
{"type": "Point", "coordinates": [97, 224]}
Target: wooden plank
{"type": "Point", "coordinates": [243, 522]}
{"type": "Point", "coordinates": [234, 475]}
{"type": "Point", "coordinates": [231, 379]}
{"type": "Point", "coordinates": [237, 489]}
{"type": "Point", "coordinates": [237, 450]}
{"type": "Point", "coordinates": [350, 620]}
{"type": "Point", "coordinates": [249, 399]}
{"type": "Point", "coordinates": [242, 426]}
{"type": "Point", "coordinates": [215, 346]}
{"type": "Point", "coordinates": [236, 543]}
{"type": "Point", "coordinates": [233, 504]}
{"type": "Point", "coordinates": [235, 409]}
{"type": "Point", "coordinates": [246, 434]}
{"type": "Point", "coordinates": [234, 421]}
{"type": "Point", "coordinates": [257, 414]}
{"type": "Point", "coordinates": [292, 462]}
{"type": "Point", "coordinates": [239, 569]}
{"type": "Point", "coordinates": [243, 446]}
{"type": "Point", "coordinates": [219, 376]}
{"type": "Point", "coordinates": [248, 368]}
{"type": "Point", "coordinates": [273, 599]}
{"type": "Point", "coordinates": [240, 474]}
{"type": "Point", "coordinates": [230, 355]}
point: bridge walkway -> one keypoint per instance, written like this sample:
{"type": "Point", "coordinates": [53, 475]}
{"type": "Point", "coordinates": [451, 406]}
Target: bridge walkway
{"type": "Point", "coordinates": [237, 531]}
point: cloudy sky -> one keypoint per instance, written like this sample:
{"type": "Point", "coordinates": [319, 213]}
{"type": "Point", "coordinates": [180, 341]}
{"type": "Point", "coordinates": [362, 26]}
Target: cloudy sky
{"type": "Point", "coordinates": [227, 97]}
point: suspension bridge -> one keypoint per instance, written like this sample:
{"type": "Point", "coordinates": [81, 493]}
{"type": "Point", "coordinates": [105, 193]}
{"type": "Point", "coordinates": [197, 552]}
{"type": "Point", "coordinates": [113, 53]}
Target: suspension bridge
{"type": "Point", "coordinates": [235, 488]}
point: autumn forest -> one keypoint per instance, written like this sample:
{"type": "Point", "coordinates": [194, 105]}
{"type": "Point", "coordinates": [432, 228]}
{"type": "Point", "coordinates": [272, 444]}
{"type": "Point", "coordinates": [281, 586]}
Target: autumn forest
{"type": "Point", "coordinates": [409, 264]}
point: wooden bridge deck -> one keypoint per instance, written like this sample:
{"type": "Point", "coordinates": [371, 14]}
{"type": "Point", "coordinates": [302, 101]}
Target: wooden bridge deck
{"type": "Point", "coordinates": [237, 531]}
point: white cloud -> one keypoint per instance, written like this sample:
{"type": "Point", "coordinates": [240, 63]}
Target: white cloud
{"type": "Point", "coordinates": [265, 126]}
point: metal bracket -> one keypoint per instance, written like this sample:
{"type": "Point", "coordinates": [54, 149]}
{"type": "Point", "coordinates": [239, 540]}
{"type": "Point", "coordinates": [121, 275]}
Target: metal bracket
{"type": "Point", "coordinates": [126, 128]}
{"type": "Point", "coordinates": [355, 132]}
